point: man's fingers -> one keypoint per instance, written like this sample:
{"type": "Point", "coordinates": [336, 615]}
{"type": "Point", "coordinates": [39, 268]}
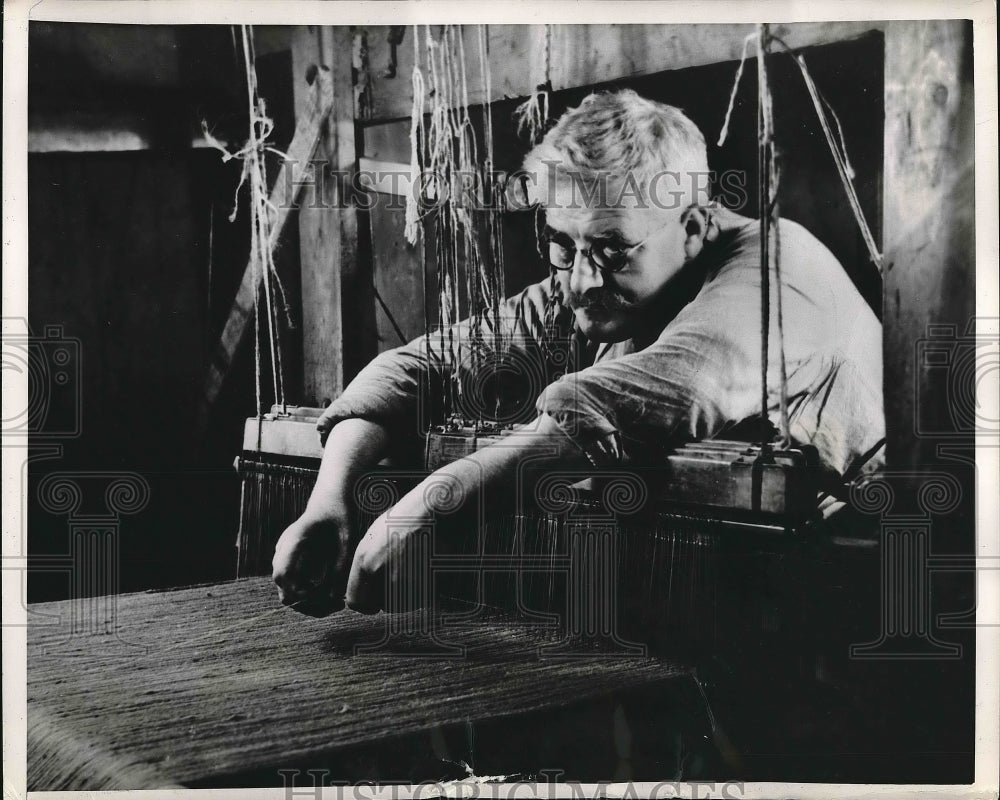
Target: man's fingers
{"type": "Point", "coordinates": [365, 587]}
{"type": "Point", "coordinates": [308, 583]}
{"type": "Point", "coordinates": [315, 600]}
{"type": "Point", "coordinates": [323, 427]}
{"type": "Point", "coordinates": [319, 607]}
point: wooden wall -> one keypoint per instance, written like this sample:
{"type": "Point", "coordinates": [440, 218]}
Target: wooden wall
{"type": "Point", "coordinates": [929, 219]}
{"type": "Point", "coordinates": [131, 252]}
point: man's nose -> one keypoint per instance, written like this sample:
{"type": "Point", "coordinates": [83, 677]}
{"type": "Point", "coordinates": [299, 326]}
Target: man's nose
{"type": "Point", "coordinates": [584, 275]}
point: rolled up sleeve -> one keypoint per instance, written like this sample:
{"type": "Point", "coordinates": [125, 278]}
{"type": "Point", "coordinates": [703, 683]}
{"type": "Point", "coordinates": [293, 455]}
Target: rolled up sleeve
{"type": "Point", "coordinates": [685, 386]}
{"type": "Point", "coordinates": [402, 388]}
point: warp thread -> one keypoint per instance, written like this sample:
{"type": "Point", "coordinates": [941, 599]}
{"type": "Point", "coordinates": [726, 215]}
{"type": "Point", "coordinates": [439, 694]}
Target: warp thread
{"type": "Point", "coordinates": [465, 201]}
{"type": "Point", "coordinates": [837, 144]}
{"type": "Point", "coordinates": [246, 703]}
{"type": "Point", "coordinates": [262, 231]}
{"type": "Point", "coordinates": [532, 116]}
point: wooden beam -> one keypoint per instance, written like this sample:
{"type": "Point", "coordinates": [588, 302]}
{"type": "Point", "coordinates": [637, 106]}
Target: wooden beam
{"type": "Point", "coordinates": [582, 55]}
{"type": "Point", "coordinates": [287, 187]}
{"type": "Point", "coordinates": [386, 177]}
{"type": "Point", "coordinates": [328, 227]}
{"type": "Point", "coordinates": [929, 216]}
{"type": "Point", "coordinates": [97, 132]}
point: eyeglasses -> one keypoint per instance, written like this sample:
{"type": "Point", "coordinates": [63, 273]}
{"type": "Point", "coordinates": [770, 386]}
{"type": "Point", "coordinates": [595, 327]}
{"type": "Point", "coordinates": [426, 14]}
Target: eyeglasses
{"type": "Point", "coordinates": [606, 255]}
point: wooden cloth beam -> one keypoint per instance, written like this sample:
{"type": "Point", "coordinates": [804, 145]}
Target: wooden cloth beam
{"type": "Point", "coordinates": [196, 687]}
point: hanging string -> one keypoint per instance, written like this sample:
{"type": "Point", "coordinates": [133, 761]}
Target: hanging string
{"type": "Point", "coordinates": [768, 198]}
{"type": "Point", "coordinates": [838, 149]}
{"type": "Point", "coordinates": [763, 199]}
{"type": "Point", "coordinates": [439, 162]}
{"type": "Point", "coordinates": [413, 228]}
{"type": "Point", "coordinates": [533, 114]}
{"type": "Point", "coordinates": [261, 242]}
{"type": "Point", "coordinates": [732, 95]}
{"type": "Point", "coordinates": [263, 234]}
{"type": "Point", "coordinates": [769, 180]}
{"type": "Point", "coordinates": [470, 274]}
{"type": "Point", "coordinates": [495, 289]}
{"type": "Point", "coordinates": [786, 437]}
{"type": "Point", "coordinates": [843, 164]}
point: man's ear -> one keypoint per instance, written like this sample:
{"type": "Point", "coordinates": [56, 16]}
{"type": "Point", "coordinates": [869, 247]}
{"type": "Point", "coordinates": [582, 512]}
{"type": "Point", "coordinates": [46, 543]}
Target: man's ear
{"type": "Point", "coordinates": [699, 227]}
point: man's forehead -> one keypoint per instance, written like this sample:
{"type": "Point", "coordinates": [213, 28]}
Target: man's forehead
{"type": "Point", "coordinates": [600, 190]}
{"type": "Point", "coordinates": [586, 222]}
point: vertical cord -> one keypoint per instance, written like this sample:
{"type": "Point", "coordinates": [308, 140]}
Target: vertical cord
{"type": "Point", "coordinates": [763, 193]}
{"type": "Point", "coordinates": [260, 236]}
{"type": "Point", "coordinates": [418, 145]}
{"type": "Point", "coordinates": [786, 435]}
{"type": "Point", "coordinates": [842, 164]}
{"type": "Point", "coordinates": [494, 272]}
{"type": "Point", "coordinates": [413, 226]}
{"type": "Point", "coordinates": [772, 186]}
{"type": "Point", "coordinates": [548, 65]}
{"type": "Point", "coordinates": [253, 243]}
{"type": "Point", "coordinates": [732, 95]}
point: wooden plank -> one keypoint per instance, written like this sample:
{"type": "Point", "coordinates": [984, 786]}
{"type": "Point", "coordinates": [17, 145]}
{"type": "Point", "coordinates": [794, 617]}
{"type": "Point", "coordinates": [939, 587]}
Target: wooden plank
{"type": "Point", "coordinates": [96, 132]}
{"type": "Point", "coordinates": [286, 189]}
{"type": "Point", "coordinates": [328, 228]}
{"type": "Point", "coordinates": [928, 202]}
{"type": "Point", "coordinates": [582, 55]}
{"type": "Point", "coordinates": [398, 274]}
{"type": "Point", "coordinates": [386, 177]}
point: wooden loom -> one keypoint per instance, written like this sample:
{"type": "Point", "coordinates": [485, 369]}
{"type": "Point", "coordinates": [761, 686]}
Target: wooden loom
{"type": "Point", "coordinates": [705, 494]}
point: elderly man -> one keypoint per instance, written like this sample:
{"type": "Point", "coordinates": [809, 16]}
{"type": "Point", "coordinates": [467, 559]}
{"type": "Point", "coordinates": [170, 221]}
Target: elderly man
{"type": "Point", "coordinates": [663, 292]}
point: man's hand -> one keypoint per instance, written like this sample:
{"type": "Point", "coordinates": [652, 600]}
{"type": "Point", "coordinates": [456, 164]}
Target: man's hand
{"type": "Point", "coordinates": [311, 557]}
{"type": "Point", "coordinates": [309, 564]}
{"type": "Point", "coordinates": [386, 568]}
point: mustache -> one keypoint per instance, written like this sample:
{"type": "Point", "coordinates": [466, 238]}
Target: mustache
{"type": "Point", "coordinates": [606, 300]}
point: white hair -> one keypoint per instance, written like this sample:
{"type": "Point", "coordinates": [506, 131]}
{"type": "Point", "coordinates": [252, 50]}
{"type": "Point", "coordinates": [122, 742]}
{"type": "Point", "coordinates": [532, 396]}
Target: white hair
{"type": "Point", "coordinates": [611, 136]}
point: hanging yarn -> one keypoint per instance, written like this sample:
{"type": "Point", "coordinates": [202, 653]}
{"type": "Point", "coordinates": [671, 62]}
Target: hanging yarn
{"type": "Point", "coordinates": [412, 229]}
{"type": "Point", "coordinates": [769, 181]}
{"type": "Point", "coordinates": [463, 191]}
{"type": "Point", "coordinates": [262, 230]}
{"type": "Point", "coordinates": [732, 95]}
{"type": "Point", "coordinates": [533, 114]}
{"type": "Point", "coordinates": [843, 164]}
{"type": "Point", "coordinates": [768, 177]}
{"type": "Point", "coordinates": [837, 145]}
{"type": "Point", "coordinates": [495, 283]}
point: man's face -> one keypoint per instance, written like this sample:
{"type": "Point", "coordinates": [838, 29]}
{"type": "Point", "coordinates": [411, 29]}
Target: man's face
{"type": "Point", "coordinates": [612, 307]}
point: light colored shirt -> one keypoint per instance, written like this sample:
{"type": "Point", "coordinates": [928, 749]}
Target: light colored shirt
{"type": "Point", "coordinates": [700, 376]}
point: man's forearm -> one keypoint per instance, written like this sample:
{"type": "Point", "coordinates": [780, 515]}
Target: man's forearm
{"type": "Point", "coordinates": [353, 446]}
{"type": "Point", "coordinates": [519, 457]}
{"type": "Point", "coordinates": [483, 476]}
